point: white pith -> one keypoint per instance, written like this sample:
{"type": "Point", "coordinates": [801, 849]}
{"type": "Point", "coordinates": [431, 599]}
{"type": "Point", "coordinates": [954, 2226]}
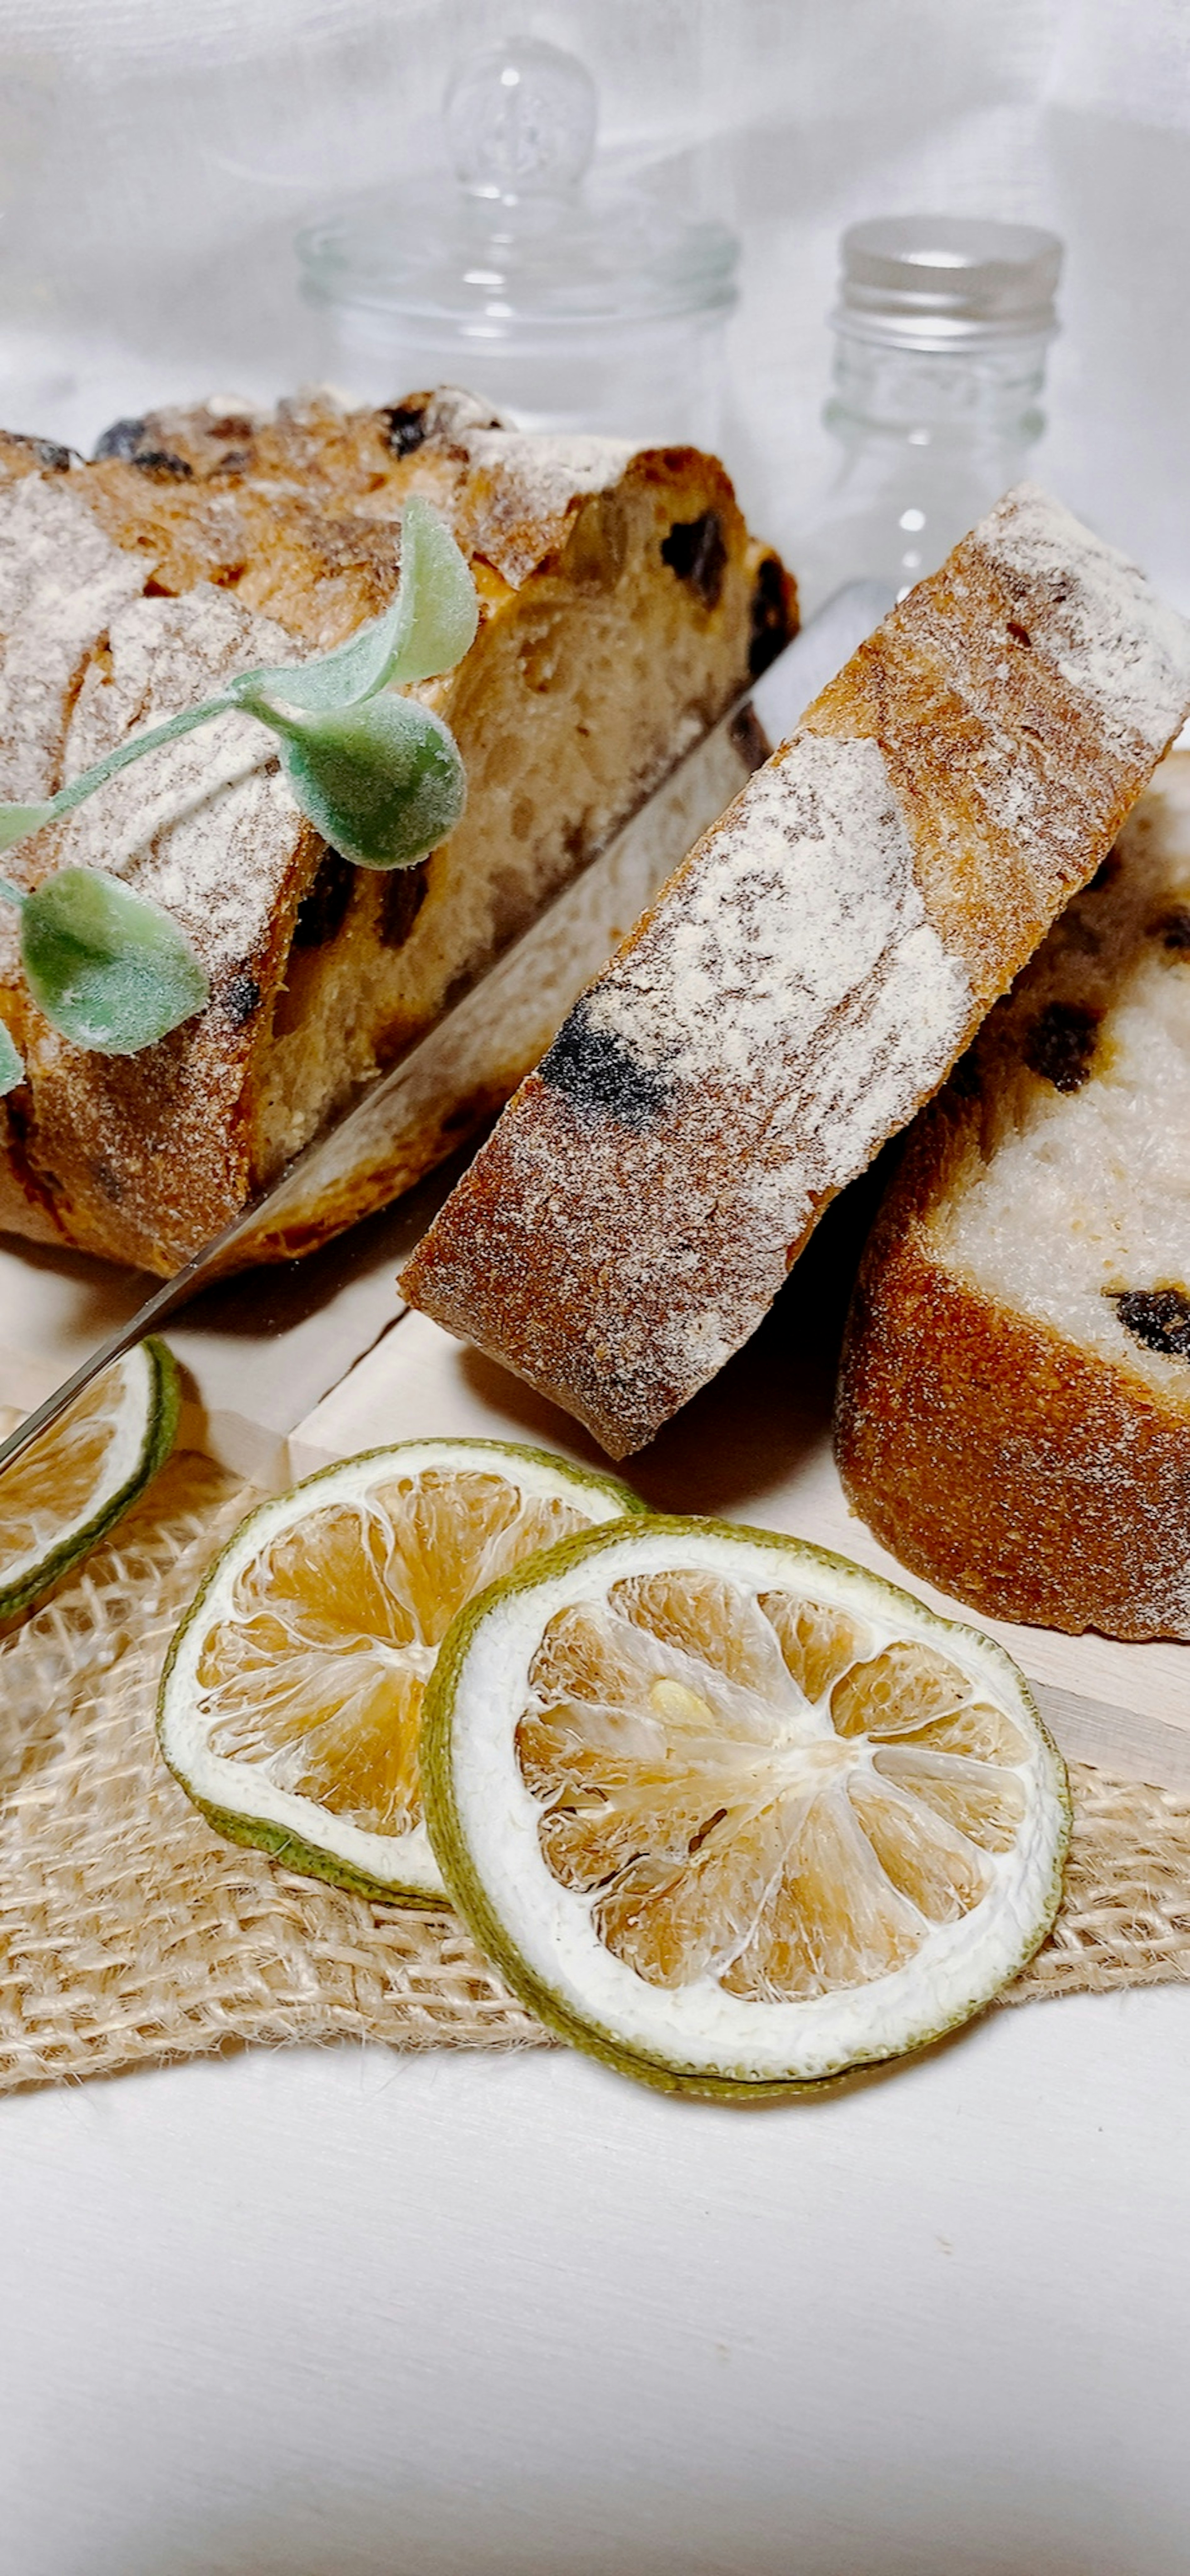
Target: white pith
{"type": "Point", "coordinates": [1083, 1195]}
{"type": "Point", "coordinates": [698, 2028]}
{"type": "Point", "coordinates": [242, 1788]}
{"type": "Point", "coordinates": [131, 1418]}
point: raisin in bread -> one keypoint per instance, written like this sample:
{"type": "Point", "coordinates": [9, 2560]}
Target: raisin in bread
{"type": "Point", "coordinates": [623, 605]}
{"type": "Point", "coordinates": [1014, 1402]}
{"type": "Point", "coordinates": [808, 977]}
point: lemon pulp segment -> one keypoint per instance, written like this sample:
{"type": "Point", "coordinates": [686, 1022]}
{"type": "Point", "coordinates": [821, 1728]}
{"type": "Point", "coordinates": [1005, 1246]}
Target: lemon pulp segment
{"type": "Point", "coordinates": [318, 1671]}
{"type": "Point", "coordinates": [727, 1823]}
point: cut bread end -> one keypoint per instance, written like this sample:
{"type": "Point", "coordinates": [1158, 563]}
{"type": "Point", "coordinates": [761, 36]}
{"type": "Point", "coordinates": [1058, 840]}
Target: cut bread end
{"type": "Point", "coordinates": [1013, 1414]}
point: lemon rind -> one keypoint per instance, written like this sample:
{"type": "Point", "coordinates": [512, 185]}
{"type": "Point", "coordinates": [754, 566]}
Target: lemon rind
{"type": "Point", "coordinates": [162, 1410]}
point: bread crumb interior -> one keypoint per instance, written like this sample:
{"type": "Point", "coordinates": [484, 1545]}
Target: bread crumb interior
{"type": "Point", "coordinates": [1079, 1191]}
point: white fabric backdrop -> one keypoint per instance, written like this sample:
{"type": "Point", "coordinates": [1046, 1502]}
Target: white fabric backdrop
{"type": "Point", "coordinates": [156, 155]}
{"type": "Point", "coordinates": [351, 2317]}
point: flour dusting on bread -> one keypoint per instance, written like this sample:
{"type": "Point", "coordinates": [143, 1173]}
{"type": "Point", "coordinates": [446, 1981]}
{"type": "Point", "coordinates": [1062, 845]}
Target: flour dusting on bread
{"type": "Point", "coordinates": [805, 892]}
{"type": "Point", "coordinates": [61, 581]}
{"type": "Point", "coordinates": [806, 979]}
{"type": "Point", "coordinates": [202, 541]}
{"type": "Point", "coordinates": [206, 826]}
{"type": "Point", "coordinates": [1111, 638]}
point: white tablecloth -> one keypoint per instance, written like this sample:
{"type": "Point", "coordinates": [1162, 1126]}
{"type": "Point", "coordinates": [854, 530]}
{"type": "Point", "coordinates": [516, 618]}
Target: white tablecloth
{"type": "Point", "coordinates": [340, 2314]}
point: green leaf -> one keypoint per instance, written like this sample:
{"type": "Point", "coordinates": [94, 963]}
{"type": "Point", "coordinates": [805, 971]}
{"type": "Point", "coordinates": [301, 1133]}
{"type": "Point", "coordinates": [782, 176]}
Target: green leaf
{"type": "Point", "coordinates": [110, 970]}
{"type": "Point", "coordinates": [377, 774]}
{"type": "Point", "coordinates": [18, 821]}
{"type": "Point", "coordinates": [12, 1070]}
{"type": "Point", "coordinates": [383, 782]}
{"type": "Point", "coordinates": [427, 630]}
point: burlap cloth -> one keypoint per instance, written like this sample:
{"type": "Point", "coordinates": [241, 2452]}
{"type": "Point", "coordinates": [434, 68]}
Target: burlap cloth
{"type": "Point", "coordinates": [130, 1933]}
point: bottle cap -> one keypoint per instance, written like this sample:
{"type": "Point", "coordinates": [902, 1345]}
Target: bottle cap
{"type": "Point", "coordinates": [947, 282]}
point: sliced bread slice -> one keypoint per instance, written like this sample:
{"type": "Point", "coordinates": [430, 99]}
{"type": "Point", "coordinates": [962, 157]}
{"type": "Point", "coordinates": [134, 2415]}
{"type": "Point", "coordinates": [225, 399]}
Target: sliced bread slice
{"type": "Point", "coordinates": [1014, 1402]}
{"type": "Point", "coordinates": [807, 978]}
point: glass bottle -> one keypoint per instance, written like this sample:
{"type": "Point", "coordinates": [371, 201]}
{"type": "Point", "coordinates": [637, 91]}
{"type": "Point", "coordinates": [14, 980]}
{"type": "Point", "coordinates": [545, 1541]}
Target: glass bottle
{"type": "Point", "coordinates": [942, 330]}
{"type": "Point", "coordinates": [571, 302]}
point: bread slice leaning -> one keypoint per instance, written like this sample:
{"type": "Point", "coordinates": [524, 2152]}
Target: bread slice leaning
{"type": "Point", "coordinates": [807, 978]}
{"type": "Point", "coordinates": [623, 607]}
{"type": "Point", "coordinates": [1014, 1402]}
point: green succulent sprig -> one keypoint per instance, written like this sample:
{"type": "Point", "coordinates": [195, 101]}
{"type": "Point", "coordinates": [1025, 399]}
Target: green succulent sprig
{"type": "Point", "coordinates": [378, 775]}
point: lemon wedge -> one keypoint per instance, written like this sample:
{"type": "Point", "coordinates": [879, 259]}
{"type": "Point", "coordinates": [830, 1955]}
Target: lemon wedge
{"type": "Point", "coordinates": [66, 1491]}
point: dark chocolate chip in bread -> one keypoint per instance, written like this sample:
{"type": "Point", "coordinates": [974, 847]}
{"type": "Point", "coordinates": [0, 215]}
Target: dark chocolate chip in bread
{"type": "Point", "coordinates": [595, 1071]}
{"type": "Point", "coordinates": [1061, 1044]}
{"type": "Point", "coordinates": [695, 550]}
{"type": "Point", "coordinates": [323, 907]}
{"type": "Point", "coordinates": [1159, 1317]}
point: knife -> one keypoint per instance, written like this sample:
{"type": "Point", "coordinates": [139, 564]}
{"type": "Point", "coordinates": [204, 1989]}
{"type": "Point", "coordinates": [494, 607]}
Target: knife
{"type": "Point", "coordinates": [506, 1018]}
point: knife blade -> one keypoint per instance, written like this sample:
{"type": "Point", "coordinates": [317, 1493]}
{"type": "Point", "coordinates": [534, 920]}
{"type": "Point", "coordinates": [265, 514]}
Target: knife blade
{"type": "Point", "coordinates": [506, 1018]}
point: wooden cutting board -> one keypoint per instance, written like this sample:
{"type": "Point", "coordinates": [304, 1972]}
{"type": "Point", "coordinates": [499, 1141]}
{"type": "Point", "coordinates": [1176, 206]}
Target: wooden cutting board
{"type": "Point", "coordinates": [287, 1369]}
{"type": "Point", "coordinates": [755, 1446]}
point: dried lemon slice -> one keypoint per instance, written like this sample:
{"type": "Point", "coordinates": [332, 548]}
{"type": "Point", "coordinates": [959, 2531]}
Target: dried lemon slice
{"type": "Point", "coordinates": [63, 1494]}
{"type": "Point", "coordinates": [290, 1707]}
{"type": "Point", "coordinates": [734, 1813]}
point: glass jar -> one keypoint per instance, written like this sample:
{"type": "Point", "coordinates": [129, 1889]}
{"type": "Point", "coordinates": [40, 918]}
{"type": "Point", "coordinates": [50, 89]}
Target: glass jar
{"type": "Point", "coordinates": [568, 302]}
{"type": "Point", "coordinates": [942, 330]}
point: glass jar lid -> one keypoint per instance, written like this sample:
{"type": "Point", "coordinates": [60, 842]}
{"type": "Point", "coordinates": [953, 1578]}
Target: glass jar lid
{"type": "Point", "coordinates": [524, 242]}
{"type": "Point", "coordinates": [938, 282]}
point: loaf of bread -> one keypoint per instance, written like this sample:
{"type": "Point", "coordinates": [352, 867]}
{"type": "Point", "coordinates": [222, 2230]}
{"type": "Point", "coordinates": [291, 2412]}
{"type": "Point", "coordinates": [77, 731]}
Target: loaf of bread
{"type": "Point", "coordinates": [1014, 1402]}
{"type": "Point", "coordinates": [623, 606]}
{"type": "Point", "coordinates": [808, 977]}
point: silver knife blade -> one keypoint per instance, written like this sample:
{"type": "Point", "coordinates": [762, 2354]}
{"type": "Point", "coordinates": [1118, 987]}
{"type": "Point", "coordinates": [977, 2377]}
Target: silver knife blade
{"type": "Point", "coordinates": [540, 974]}
{"type": "Point", "coordinates": [791, 683]}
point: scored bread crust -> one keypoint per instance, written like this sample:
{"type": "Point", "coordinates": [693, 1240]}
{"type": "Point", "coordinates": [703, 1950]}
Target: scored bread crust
{"type": "Point", "coordinates": [1034, 1468]}
{"type": "Point", "coordinates": [204, 541]}
{"type": "Point", "coordinates": [807, 978]}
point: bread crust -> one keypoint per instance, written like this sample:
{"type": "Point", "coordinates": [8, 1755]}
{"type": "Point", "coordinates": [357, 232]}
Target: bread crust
{"type": "Point", "coordinates": [206, 542]}
{"type": "Point", "coordinates": [141, 1158]}
{"type": "Point", "coordinates": [1039, 1482]}
{"type": "Point", "coordinates": [1013, 1407]}
{"type": "Point", "coordinates": [805, 981]}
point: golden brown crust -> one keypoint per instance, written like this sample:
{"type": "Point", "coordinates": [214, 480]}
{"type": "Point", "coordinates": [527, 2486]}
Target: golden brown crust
{"type": "Point", "coordinates": [808, 976]}
{"type": "Point", "coordinates": [299, 509]}
{"type": "Point", "coordinates": [1013, 1418]}
{"type": "Point", "coordinates": [142, 1158]}
{"type": "Point", "coordinates": [145, 1158]}
{"type": "Point", "coordinates": [26, 1206]}
{"type": "Point", "coordinates": [221, 520]}
{"type": "Point", "coordinates": [948, 686]}
{"type": "Point", "coordinates": [185, 535]}
{"type": "Point", "coordinates": [20, 456]}
{"type": "Point", "coordinates": [1037, 1482]}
